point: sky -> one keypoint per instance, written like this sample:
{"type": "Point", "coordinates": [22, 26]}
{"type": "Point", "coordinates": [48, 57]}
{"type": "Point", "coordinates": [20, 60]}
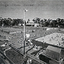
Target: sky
{"type": "Point", "coordinates": [52, 9]}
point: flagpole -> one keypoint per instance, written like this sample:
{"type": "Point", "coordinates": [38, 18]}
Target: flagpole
{"type": "Point", "coordinates": [24, 29]}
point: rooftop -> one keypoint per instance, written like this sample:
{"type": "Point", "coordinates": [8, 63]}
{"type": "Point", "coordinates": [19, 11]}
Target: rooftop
{"type": "Point", "coordinates": [55, 49]}
{"type": "Point", "coordinates": [56, 39]}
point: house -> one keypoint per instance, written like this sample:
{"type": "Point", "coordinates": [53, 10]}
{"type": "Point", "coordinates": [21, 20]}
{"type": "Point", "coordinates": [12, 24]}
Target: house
{"type": "Point", "coordinates": [52, 55]}
{"type": "Point", "coordinates": [53, 52]}
{"type": "Point", "coordinates": [31, 23]}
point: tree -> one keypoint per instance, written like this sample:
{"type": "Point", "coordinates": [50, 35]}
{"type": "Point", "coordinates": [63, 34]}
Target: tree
{"type": "Point", "coordinates": [58, 21]}
{"type": "Point", "coordinates": [28, 21]}
{"type": "Point", "coordinates": [36, 20]}
{"type": "Point", "coordinates": [54, 23]}
{"type": "Point", "coordinates": [41, 22]}
{"type": "Point", "coordinates": [45, 22]}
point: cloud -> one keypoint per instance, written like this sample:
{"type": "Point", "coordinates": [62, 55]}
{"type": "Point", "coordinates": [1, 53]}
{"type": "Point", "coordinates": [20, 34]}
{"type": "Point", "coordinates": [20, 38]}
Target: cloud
{"type": "Point", "coordinates": [31, 2]}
